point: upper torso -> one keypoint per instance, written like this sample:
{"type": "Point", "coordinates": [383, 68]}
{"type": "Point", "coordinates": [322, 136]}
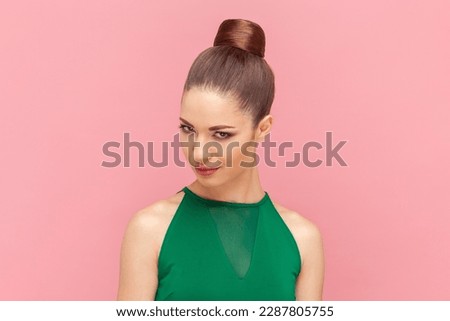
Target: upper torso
{"type": "Point", "coordinates": [193, 264]}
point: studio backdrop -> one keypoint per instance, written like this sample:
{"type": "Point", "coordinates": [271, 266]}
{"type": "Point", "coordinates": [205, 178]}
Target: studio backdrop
{"type": "Point", "coordinates": [361, 104]}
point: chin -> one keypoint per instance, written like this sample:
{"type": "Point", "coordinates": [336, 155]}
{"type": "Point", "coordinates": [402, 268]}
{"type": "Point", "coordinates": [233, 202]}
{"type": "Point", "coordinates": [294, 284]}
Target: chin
{"type": "Point", "coordinates": [220, 180]}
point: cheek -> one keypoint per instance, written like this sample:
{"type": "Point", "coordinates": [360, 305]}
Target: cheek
{"type": "Point", "coordinates": [185, 151]}
{"type": "Point", "coordinates": [183, 140]}
{"type": "Point", "coordinates": [233, 156]}
{"type": "Point", "coordinates": [188, 156]}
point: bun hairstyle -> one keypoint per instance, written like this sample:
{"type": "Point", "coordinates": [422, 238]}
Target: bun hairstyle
{"type": "Point", "coordinates": [242, 34]}
{"type": "Point", "coordinates": [235, 66]}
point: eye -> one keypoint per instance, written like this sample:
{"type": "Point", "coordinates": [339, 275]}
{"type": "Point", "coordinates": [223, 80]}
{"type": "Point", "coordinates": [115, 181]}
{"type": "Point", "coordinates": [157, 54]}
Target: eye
{"type": "Point", "coordinates": [186, 128]}
{"type": "Point", "coordinates": [222, 135]}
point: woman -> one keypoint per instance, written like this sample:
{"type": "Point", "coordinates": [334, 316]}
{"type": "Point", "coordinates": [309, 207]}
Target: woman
{"type": "Point", "coordinates": [222, 237]}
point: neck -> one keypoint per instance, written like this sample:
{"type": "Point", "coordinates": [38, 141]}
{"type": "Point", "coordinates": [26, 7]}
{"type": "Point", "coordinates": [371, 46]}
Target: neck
{"type": "Point", "coordinates": [246, 188]}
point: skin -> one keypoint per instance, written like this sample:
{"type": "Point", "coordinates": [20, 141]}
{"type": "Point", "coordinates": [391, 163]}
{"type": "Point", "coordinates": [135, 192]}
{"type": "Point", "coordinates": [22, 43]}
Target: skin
{"type": "Point", "coordinates": [145, 231]}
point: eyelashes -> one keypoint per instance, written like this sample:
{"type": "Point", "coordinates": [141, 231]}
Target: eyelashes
{"type": "Point", "coordinates": [218, 134]}
{"type": "Point", "coordinates": [227, 135]}
{"type": "Point", "coordinates": [185, 128]}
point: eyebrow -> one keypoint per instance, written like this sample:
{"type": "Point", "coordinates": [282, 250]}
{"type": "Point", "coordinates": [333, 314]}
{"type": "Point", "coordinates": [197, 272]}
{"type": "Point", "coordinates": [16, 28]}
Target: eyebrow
{"type": "Point", "coordinates": [210, 128]}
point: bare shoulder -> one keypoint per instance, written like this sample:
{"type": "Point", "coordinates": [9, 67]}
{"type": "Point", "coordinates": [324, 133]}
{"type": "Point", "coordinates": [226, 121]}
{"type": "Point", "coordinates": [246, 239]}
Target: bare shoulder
{"type": "Point", "coordinates": [305, 232]}
{"type": "Point", "coordinates": [296, 222]}
{"type": "Point", "coordinates": [309, 284]}
{"type": "Point", "coordinates": [140, 249]}
{"type": "Point", "coordinates": [154, 219]}
{"type": "Point", "coordinates": [159, 210]}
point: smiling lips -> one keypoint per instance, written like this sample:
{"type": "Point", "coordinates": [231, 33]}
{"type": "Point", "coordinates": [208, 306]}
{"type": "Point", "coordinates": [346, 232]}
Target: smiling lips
{"type": "Point", "coordinates": [206, 171]}
{"type": "Point", "coordinates": [205, 167]}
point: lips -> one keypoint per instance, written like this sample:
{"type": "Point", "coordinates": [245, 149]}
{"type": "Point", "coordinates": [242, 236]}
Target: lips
{"type": "Point", "coordinates": [204, 168]}
{"type": "Point", "coordinates": [206, 171]}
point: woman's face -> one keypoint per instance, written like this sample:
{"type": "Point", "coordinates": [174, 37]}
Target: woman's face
{"type": "Point", "coordinates": [220, 137]}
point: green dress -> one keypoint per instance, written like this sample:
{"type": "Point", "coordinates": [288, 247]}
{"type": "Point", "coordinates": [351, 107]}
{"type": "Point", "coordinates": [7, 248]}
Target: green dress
{"type": "Point", "coordinates": [221, 251]}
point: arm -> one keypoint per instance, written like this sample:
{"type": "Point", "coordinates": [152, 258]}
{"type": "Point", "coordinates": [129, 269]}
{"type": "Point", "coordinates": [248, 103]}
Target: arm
{"type": "Point", "coordinates": [138, 278]}
{"type": "Point", "coordinates": [309, 283]}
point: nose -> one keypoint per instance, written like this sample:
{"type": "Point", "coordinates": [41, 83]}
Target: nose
{"type": "Point", "coordinates": [204, 152]}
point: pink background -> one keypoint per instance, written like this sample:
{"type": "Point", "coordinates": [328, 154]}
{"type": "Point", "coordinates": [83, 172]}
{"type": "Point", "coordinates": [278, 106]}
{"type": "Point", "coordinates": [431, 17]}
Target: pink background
{"type": "Point", "coordinates": [76, 74]}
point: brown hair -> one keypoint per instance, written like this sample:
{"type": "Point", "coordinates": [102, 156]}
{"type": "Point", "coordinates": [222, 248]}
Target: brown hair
{"type": "Point", "coordinates": [235, 66]}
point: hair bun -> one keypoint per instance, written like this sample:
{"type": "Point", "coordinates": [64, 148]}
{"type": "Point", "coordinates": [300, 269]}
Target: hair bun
{"type": "Point", "coordinates": [242, 34]}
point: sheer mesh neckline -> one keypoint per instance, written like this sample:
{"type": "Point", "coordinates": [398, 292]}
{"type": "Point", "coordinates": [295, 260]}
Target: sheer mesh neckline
{"type": "Point", "coordinates": [212, 202]}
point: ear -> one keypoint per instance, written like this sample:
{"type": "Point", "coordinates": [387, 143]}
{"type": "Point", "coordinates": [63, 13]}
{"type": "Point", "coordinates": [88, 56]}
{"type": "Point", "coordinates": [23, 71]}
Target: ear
{"type": "Point", "coordinates": [263, 128]}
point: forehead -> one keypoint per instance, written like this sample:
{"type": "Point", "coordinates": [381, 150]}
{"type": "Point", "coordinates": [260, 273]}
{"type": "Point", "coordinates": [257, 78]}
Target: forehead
{"type": "Point", "coordinates": [209, 108]}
